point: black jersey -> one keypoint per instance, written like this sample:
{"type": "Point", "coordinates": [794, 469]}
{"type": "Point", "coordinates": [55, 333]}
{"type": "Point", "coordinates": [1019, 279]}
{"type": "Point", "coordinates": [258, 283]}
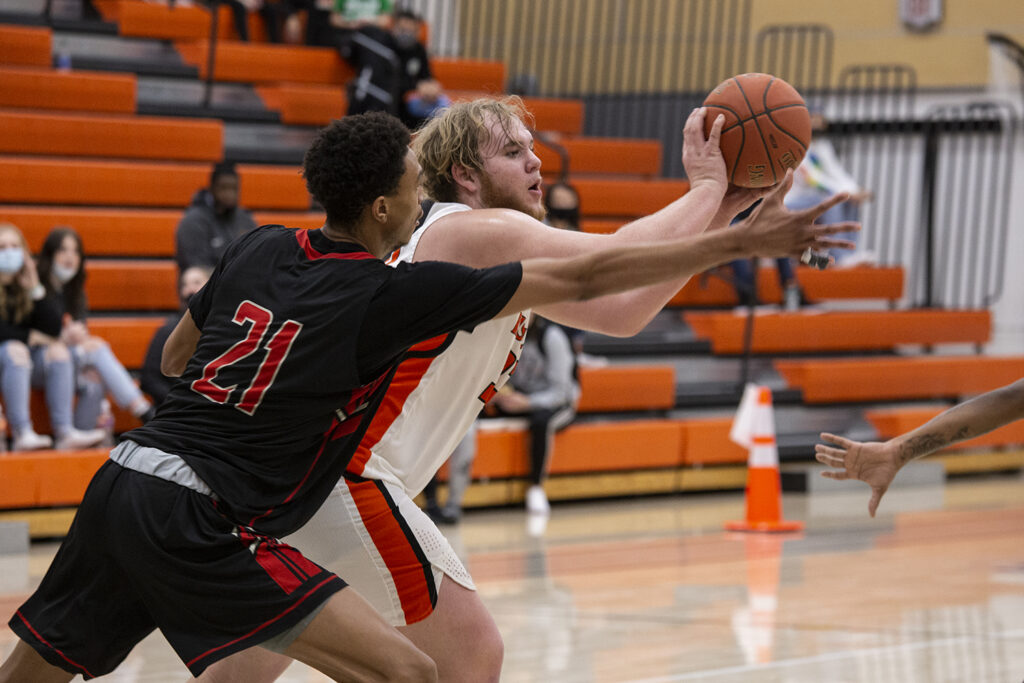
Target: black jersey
{"type": "Point", "coordinates": [299, 335]}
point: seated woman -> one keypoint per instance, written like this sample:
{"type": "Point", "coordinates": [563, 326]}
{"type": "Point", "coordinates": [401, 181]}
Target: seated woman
{"type": "Point", "coordinates": [29, 319]}
{"type": "Point", "coordinates": [97, 370]}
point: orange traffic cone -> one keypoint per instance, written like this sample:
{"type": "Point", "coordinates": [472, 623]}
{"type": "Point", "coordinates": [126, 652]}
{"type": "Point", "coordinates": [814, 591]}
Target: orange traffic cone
{"type": "Point", "coordinates": [764, 488]}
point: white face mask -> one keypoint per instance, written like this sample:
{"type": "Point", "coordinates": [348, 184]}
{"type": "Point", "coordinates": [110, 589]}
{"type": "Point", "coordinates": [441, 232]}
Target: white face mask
{"type": "Point", "coordinates": [11, 260]}
{"type": "Point", "coordinates": [63, 273]}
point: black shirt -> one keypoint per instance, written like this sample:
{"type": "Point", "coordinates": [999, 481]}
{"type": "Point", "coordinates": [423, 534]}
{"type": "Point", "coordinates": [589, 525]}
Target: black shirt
{"type": "Point", "coordinates": [299, 338]}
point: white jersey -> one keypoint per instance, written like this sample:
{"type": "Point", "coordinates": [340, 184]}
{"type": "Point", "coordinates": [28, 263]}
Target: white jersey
{"type": "Point", "coordinates": [369, 531]}
{"type": "Point", "coordinates": [437, 392]}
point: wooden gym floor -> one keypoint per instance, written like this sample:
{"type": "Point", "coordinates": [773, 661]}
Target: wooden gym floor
{"type": "Point", "coordinates": [652, 590]}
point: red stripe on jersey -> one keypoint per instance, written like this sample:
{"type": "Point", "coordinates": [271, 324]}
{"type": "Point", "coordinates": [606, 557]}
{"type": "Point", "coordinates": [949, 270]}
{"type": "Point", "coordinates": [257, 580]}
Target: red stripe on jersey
{"type": "Point", "coordinates": [395, 548]}
{"type": "Point", "coordinates": [265, 624]}
{"type": "Point", "coordinates": [47, 644]}
{"type": "Point", "coordinates": [407, 378]}
{"type": "Point", "coordinates": [303, 237]}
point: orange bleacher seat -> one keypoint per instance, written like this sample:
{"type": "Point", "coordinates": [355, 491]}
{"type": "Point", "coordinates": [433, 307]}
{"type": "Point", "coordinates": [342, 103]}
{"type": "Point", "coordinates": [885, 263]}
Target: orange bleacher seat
{"type": "Point", "coordinates": [556, 115]}
{"type": "Point", "coordinates": [128, 337]}
{"type": "Point", "coordinates": [706, 442]}
{"type": "Point", "coordinates": [469, 74]}
{"type": "Point", "coordinates": [25, 45]}
{"type": "Point", "coordinates": [110, 232]}
{"type": "Point", "coordinates": [101, 135]}
{"type": "Point", "coordinates": [260, 63]}
{"type": "Point", "coordinates": [588, 447]}
{"type": "Point", "coordinates": [126, 232]}
{"type": "Point", "coordinates": [47, 478]}
{"type": "Point", "coordinates": [35, 88]}
{"type": "Point", "coordinates": [884, 379]}
{"type": "Point", "coordinates": [307, 104]}
{"type": "Point", "coordinates": [605, 198]}
{"type": "Point", "coordinates": [840, 330]}
{"type": "Point", "coordinates": [601, 226]}
{"type": "Point", "coordinates": [627, 387]}
{"type": "Point", "coordinates": [124, 285]}
{"type": "Point", "coordinates": [123, 183]}
{"type": "Point", "coordinates": [893, 422]}
{"type": "Point", "coordinates": [603, 155]}
{"type": "Point", "coordinates": [864, 282]}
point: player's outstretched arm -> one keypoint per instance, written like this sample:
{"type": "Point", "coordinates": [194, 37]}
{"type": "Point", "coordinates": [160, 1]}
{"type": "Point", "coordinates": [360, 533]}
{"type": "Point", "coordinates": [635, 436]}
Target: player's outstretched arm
{"type": "Point", "coordinates": [877, 463]}
{"type": "Point", "coordinates": [597, 274]}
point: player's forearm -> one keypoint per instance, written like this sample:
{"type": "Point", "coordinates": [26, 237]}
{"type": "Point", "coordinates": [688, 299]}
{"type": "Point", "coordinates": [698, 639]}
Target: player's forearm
{"type": "Point", "coordinates": [626, 313]}
{"type": "Point", "coordinates": [689, 215]}
{"type": "Point", "coordinates": [180, 346]}
{"type": "Point", "coordinates": [973, 418]}
{"type": "Point", "coordinates": [616, 270]}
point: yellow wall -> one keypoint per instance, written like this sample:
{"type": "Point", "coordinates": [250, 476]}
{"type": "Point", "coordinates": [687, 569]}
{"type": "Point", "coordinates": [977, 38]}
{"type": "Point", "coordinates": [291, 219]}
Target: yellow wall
{"type": "Point", "coordinates": [870, 31]}
{"type": "Point", "coordinates": [585, 36]}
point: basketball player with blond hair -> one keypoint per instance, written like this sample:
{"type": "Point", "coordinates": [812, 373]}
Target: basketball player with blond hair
{"type": "Point", "coordinates": [480, 169]}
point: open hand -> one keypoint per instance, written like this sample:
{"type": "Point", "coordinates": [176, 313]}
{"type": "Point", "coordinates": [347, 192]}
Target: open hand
{"type": "Point", "coordinates": [871, 462]}
{"type": "Point", "coordinates": [777, 231]}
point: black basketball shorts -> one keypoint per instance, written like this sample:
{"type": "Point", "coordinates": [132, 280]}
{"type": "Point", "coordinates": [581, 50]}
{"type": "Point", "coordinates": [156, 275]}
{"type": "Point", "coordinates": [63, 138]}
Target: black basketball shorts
{"type": "Point", "coordinates": [144, 553]}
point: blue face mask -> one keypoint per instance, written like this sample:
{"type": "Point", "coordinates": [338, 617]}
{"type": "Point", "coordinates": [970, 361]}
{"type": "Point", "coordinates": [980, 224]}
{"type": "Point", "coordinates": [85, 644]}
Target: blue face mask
{"type": "Point", "coordinates": [11, 260]}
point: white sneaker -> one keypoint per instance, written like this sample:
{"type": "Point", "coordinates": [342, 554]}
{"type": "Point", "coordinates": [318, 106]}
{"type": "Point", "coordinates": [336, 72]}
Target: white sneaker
{"type": "Point", "coordinates": [80, 438]}
{"type": "Point", "coordinates": [28, 440]}
{"type": "Point", "coordinates": [537, 501]}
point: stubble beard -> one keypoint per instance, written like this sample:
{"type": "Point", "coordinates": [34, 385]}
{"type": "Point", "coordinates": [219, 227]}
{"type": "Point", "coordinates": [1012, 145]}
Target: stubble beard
{"type": "Point", "coordinates": [494, 196]}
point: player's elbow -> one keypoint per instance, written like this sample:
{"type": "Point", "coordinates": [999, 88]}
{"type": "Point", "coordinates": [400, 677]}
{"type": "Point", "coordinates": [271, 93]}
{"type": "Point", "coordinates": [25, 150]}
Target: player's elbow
{"type": "Point", "coordinates": [170, 366]}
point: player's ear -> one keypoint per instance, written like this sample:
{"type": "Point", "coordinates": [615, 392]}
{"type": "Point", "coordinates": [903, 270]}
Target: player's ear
{"type": "Point", "coordinates": [379, 209]}
{"type": "Point", "coordinates": [466, 178]}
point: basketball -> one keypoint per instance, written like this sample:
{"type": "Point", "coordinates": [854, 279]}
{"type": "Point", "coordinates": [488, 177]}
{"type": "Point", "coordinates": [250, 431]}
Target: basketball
{"type": "Point", "coordinates": [767, 127]}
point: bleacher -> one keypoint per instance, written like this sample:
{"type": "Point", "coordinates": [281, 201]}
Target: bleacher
{"type": "Point", "coordinates": [116, 146]}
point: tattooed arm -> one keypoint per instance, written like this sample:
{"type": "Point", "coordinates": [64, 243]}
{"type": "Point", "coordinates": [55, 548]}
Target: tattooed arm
{"type": "Point", "coordinates": [877, 463]}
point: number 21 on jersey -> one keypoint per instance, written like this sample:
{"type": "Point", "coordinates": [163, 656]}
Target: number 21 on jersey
{"type": "Point", "coordinates": [276, 349]}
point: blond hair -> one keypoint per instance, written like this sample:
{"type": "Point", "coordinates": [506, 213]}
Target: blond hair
{"type": "Point", "coordinates": [455, 137]}
{"type": "Point", "coordinates": [15, 299]}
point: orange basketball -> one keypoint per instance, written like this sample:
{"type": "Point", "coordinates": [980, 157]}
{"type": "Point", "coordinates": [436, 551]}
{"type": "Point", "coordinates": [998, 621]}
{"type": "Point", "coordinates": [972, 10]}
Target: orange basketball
{"type": "Point", "coordinates": [767, 127]}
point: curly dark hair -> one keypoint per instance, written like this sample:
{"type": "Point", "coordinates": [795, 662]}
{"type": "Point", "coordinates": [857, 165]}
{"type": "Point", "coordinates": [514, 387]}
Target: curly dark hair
{"type": "Point", "coordinates": [353, 161]}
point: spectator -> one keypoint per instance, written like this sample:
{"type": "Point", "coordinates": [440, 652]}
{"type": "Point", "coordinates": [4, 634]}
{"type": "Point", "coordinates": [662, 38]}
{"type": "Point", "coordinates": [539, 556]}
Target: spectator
{"type": "Point", "coordinates": [30, 319]}
{"type": "Point", "coordinates": [153, 381]}
{"type": "Point", "coordinates": [281, 17]}
{"type": "Point", "coordinates": [545, 388]}
{"type": "Point", "coordinates": [562, 210]}
{"type": "Point", "coordinates": [421, 94]}
{"type": "Point", "coordinates": [97, 370]}
{"type": "Point", "coordinates": [562, 203]}
{"type": "Point", "coordinates": [212, 221]}
{"type": "Point", "coordinates": [392, 66]}
{"type": "Point", "coordinates": [821, 175]}
{"type": "Point", "coordinates": [363, 40]}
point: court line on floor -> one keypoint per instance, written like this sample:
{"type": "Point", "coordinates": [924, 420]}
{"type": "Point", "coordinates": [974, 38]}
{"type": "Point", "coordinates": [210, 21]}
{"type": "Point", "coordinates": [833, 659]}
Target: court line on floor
{"type": "Point", "coordinates": [826, 657]}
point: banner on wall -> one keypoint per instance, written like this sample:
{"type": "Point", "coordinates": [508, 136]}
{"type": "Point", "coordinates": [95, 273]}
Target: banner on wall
{"type": "Point", "coordinates": [921, 15]}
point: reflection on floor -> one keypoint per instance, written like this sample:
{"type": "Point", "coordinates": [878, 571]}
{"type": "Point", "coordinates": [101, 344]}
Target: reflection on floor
{"type": "Point", "coordinates": [653, 590]}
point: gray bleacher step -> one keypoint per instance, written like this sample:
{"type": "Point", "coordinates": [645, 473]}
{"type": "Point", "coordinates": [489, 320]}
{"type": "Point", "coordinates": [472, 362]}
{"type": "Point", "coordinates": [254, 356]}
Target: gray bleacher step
{"type": "Point", "coordinates": [72, 23]}
{"type": "Point", "coordinates": [13, 538]}
{"type": "Point", "coordinates": [115, 53]}
{"type": "Point", "coordinates": [187, 97]}
{"type": "Point", "coordinates": [666, 334]}
{"type": "Point", "coordinates": [806, 478]}
{"type": "Point", "coordinates": [643, 345]}
{"type": "Point", "coordinates": [266, 144]}
{"type": "Point", "coordinates": [725, 393]}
